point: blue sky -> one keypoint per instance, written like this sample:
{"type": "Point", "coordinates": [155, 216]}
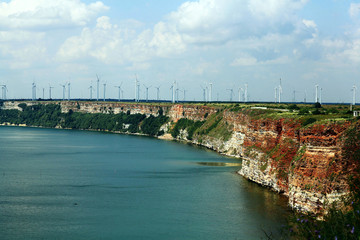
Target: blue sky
{"type": "Point", "coordinates": [228, 43]}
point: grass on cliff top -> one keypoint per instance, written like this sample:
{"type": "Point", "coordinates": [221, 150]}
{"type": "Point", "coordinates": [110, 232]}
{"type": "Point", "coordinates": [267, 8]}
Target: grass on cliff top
{"type": "Point", "coordinates": [215, 126]}
{"type": "Point", "coordinates": [300, 112]}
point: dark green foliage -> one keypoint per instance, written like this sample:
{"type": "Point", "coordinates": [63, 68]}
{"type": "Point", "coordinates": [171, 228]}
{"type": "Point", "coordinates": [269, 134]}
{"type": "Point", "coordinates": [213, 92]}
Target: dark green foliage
{"type": "Point", "coordinates": [303, 111]}
{"type": "Point", "coordinates": [316, 111]}
{"type": "Point", "coordinates": [317, 105]}
{"type": "Point", "coordinates": [308, 121]}
{"type": "Point", "coordinates": [337, 224]}
{"type": "Point", "coordinates": [11, 116]}
{"type": "Point", "coordinates": [293, 107]}
{"type": "Point", "coordinates": [190, 125]}
{"type": "Point", "coordinates": [22, 106]}
{"type": "Point", "coordinates": [161, 111]}
{"type": "Point", "coordinates": [151, 125]}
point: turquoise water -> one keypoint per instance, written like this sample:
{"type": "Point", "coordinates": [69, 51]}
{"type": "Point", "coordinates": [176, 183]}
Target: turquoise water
{"type": "Point", "coordinates": [62, 184]}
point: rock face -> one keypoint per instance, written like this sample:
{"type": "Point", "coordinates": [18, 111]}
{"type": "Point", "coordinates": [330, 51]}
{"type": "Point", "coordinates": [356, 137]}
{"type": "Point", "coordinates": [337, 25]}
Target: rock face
{"type": "Point", "coordinates": [307, 164]}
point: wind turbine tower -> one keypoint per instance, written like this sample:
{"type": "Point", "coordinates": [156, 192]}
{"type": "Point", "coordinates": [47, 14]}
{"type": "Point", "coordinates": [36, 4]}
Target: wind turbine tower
{"type": "Point", "coordinates": [147, 92]}
{"type": "Point", "coordinates": [246, 93]}
{"type": "Point", "coordinates": [316, 93]}
{"type": "Point", "coordinates": [204, 93]}
{"type": "Point", "coordinates": [321, 95]}
{"type": "Point", "coordinates": [210, 92]}
{"type": "Point", "coordinates": [104, 91]}
{"type": "Point", "coordinates": [91, 91]}
{"type": "Point", "coordinates": [177, 94]}
{"type": "Point", "coordinates": [173, 91]}
{"type": "Point", "coordinates": [354, 88]}
{"type": "Point", "coordinates": [276, 94]}
{"type": "Point", "coordinates": [231, 94]}
{"type": "Point", "coordinates": [280, 91]}
{"type": "Point", "coordinates": [68, 91]}
{"type": "Point", "coordinates": [240, 92]}
{"type": "Point", "coordinates": [157, 93]}
{"type": "Point", "coordinates": [119, 87]}
{"type": "Point", "coordinates": [98, 87]}
{"type": "Point", "coordinates": [33, 91]}
{"type": "Point", "coordinates": [50, 87]}
{"type": "Point", "coordinates": [4, 90]}
{"type": "Point", "coordinates": [63, 86]}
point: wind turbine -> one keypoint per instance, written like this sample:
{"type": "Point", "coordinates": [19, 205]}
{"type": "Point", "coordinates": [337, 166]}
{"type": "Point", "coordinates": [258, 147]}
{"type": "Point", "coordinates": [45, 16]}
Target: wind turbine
{"type": "Point", "coordinates": [91, 91]}
{"type": "Point", "coordinates": [68, 91]}
{"type": "Point", "coordinates": [63, 86]}
{"type": "Point", "coordinates": [276, 94]}
{"type": "Point", "coordinates": [4, 90]}
{"type": "Point", "coordinates": [210, 92]}
{"type": "Point", "coordinates": [246, 93]}
{"type": "Point", "coordinates": [119, 87]}
{"type": "Point", "coordinates": [316, 93]}
{"type": "Point", "coordinates": [33, 91]}
{"type": "Point", "coordinates": [136, 86]}
{"type": "Point", "coordinates": [280, 91]}
{"type": "Point", "coordinates": [172, 88]}
{"type": "Point", "coordinates": [98, 87]}
{"type": "Point", "coordinates": [294, 95]}
{"type": "Point", "coordinates": [158, 93]}
{"type": "Point", "coordinates": [147, 92]}
{"type": "Point", "coordinates": [104, 91]}
{"type": "Point", "coordinates": [177, 94]}
{"type": "Point", "coordinates": [50, 87]}
{"type": "Point", "coordinates": [321, 95]}
{"type": "Point", "coordinates": [204, 93]}
{"type": "Point", "coordinates": [43, 96]}
{"type": "Point", "coordinates": [354, 88]}
{"type": "Point", "coordinates": [184, 94]}
{"type": "Point", "coordinates": [231, 94]}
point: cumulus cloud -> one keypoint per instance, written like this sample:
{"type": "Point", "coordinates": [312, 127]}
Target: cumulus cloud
{"type": "Point", "coordinates": [110, 43]}
{"type": "Point", "coordinates": [198, 23]}
{"type": "Point", "coordinates": [33, 14]}
{"type": "Point", "coordinates": [214, 21]}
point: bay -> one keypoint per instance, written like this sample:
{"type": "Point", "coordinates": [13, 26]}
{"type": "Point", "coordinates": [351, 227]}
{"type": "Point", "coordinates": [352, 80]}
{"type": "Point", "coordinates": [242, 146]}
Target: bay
{"type": "Point", "coordinates": [65, 184]}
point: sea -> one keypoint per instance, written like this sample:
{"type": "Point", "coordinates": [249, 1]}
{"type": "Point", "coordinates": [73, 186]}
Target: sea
{"type": "Point", "coordinates": [70, 184]}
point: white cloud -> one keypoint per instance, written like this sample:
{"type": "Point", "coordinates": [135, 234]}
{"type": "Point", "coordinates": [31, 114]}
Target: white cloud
{"type": "Point", "coordinates": [199, 23]}
{"type": "Point", "coordinates": [216, 22]}
{"type": "Point", "coordinates": [110, 43]}
{"type": "Point", "coordinates": [354, 10]}
{"type": "Point", "coordinates": [309, 23]}
{"type": "Point", "coordinates": [244, 61]}
{"type": "Point", "coordinates": [37, 14]}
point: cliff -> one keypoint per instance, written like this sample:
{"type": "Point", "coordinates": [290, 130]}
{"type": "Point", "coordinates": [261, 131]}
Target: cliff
{"type": "Point", "coordinates": [310, 164]}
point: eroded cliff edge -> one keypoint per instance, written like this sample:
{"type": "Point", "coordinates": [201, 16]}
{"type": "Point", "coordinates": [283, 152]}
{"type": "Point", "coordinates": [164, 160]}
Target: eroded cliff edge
{"type": "Point", "coordinates": [310, 164]}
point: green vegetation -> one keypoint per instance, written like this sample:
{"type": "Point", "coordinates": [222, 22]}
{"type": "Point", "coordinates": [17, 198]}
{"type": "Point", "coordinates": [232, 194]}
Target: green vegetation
{"type": "Point", "coordinates": [50, 115]}
{"type": "Point", "coordinates": [190, 125]}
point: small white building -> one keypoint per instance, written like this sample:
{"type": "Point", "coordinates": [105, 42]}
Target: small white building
{"type": "Point", "coordinates": [356, 113]}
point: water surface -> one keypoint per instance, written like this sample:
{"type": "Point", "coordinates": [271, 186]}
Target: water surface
{"type": "Point", "coordinates": [62, 184]}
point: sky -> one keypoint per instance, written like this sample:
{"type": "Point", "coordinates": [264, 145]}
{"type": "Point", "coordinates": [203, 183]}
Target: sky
{"type": "Point", "coordinates": [226, 43]}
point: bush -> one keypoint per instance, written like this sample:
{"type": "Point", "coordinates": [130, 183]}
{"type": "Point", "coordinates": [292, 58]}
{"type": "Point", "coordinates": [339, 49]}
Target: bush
{"type": "Point", "coordinates": [308, 121]}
